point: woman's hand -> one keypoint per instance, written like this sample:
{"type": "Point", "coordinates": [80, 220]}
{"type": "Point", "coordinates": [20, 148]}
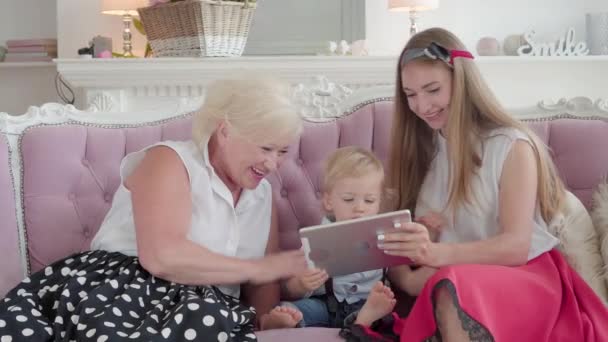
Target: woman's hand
{"type": "Point", "coordinates": [278, 266]}
{"type": "Point", "coordinates": [434, 222]}
{"type": "Point", "coordinates": [413, 242]}
{"type": "Point", "coordinates": [306, 282]}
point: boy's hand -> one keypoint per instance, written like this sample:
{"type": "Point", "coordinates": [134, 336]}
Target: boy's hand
{"type": "Point", "coordinates": [308, 281]}
{"type": "Point", "coordinates": [434, 222]}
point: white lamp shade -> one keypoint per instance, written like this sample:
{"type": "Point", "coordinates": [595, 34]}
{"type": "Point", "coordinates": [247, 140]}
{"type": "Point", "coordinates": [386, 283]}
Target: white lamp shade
{"type": "Point", "coordinates": [412, 5]}
{"type": "Point", "coordinates": [122, 7]}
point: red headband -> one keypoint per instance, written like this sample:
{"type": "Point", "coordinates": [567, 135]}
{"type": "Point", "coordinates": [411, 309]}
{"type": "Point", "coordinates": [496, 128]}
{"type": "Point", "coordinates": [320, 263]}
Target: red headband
{"type": "Point", "coordinates": [459, 53]}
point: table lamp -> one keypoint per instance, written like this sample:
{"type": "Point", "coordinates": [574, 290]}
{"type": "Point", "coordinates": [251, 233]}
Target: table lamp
{"type": "Point", "coordinates": [414, 7]}
{"type": "Point", "coordinates": [127, 9]}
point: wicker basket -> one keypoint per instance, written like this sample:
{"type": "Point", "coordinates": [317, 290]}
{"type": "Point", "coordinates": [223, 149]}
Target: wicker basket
{"type": "Point", "coordinates": [198, 28]}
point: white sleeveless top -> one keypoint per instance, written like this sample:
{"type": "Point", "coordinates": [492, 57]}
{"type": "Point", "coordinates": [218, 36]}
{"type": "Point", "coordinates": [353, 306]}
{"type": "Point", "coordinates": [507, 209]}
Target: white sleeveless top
{"type": "Point", "coordinates": [480, 222]}
{"type": "Point", "coordinates": [217, 225]}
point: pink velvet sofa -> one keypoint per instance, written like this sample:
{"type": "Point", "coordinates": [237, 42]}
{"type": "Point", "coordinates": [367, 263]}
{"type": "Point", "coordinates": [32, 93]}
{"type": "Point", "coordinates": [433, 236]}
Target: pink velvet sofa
{"type": "Point", "coordinates": [57, 180]}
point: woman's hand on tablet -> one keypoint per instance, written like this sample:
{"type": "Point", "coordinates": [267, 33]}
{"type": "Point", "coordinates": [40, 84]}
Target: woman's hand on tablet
{"type": "Point", "coordinates": [411, 241]}
{"type": "Point", "coordinates": [434, 222]}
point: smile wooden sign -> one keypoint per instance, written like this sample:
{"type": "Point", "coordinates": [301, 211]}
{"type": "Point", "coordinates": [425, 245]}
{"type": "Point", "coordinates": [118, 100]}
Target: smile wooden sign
{"type": "Point", "coordinates": [565, 46]}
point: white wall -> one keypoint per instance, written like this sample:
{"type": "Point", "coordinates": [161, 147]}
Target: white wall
{"type": "Point", "coordinates": [22, 87]}
{"type": "Point", "coordinates": [23, 19]}
{"type": "Point", "coordinates": [596, 5]}
{"type": "Point", "coordinates": [387, 31]}
{"type": "Point", "coordinates": [80, 20]}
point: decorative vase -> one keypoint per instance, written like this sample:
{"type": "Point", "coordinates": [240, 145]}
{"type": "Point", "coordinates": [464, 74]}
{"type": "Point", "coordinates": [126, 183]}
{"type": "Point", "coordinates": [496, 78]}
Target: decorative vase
{"type": "Point", "coordinates": [488, 46]}
{"type": "Point", "coordinates": [512, 43]}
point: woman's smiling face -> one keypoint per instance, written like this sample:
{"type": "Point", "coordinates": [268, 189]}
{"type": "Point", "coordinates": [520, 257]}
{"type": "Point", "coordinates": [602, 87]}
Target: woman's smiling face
{"type": "Point", "coordinates": [428, 89]}
{"type": "Point", "coordinates": [248, 163]}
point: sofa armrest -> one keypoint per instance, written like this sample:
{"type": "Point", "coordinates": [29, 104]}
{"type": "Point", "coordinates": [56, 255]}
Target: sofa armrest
{"type": "Point", "coordinates": [12, 263]}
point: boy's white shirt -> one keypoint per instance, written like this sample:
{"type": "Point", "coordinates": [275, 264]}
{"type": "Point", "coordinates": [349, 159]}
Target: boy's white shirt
{"type": "Point", "coordinates": [351, 287]}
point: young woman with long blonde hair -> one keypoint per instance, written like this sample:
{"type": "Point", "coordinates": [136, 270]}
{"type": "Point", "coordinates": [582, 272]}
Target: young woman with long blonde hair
{"type": "Point", "coordinates": [458, 155]}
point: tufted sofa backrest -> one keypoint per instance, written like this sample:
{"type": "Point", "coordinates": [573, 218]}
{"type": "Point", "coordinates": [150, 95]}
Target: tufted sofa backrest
{"type": "Point", "coordinates": [70, 174]}
{"type": "Point", "coordinates": [70, 171]}
{"type": "Point", "coordinates": [578, 148]}
{"type": "Point", "coordinates": [11, 268]}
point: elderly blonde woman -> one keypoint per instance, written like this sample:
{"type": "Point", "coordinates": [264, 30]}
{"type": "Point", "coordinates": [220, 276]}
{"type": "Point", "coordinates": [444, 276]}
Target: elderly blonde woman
{"type": "Point", "coordinates": [191, 222]}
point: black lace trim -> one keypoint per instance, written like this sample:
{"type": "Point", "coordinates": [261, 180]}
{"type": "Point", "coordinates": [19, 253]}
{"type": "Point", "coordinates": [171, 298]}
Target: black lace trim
{"type": "Point", "coordinates": [476, 331]}
{"type": "Point", "coordinates": [355, 333]}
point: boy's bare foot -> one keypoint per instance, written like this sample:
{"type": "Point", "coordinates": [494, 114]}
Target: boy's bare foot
{"type": "Point", "coordinates": [281, 317]}
{"type": "Point", "coordinates": [379, 303]}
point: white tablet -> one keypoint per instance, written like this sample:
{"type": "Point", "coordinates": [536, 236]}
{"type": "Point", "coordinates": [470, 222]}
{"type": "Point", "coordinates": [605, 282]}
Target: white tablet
{"type": "Point", "coordinates": [351, 246]}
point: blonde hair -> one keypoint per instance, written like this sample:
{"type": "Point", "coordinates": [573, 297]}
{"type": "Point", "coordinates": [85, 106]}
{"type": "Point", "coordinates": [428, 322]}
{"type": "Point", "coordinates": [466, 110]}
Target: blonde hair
{"type": "Point", "coordinates": [258, 108]}
{"type": "Point", "coordinates": [349, 162]}
{"type": "Point", "coordinates": [474, 111]}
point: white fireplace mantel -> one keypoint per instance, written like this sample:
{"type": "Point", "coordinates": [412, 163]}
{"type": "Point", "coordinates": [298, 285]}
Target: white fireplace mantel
{"type": "Point", "coordinates": [522, 84]}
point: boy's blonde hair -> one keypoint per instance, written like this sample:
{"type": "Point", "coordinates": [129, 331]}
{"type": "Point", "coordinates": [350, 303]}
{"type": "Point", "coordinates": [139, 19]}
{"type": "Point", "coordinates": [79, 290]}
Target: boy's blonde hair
{"type": "Point", "coordinates": [258, 108]}
{"type": "Point", "coordinates": [349, 162]}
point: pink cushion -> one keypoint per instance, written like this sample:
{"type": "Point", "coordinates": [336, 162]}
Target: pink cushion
{"type": "Point", "coordinates": [70, 176]}
{"type": "Point", "coordinates": [71, 171]}
{"type": "Point", "coordinates": [578, 148]}
{"type": "Point", "coordinates": [11, 271]}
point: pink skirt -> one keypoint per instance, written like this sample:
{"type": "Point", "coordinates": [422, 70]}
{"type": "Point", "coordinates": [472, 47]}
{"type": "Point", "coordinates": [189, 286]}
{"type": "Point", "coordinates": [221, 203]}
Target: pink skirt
{"type": "Point", "coordinates": [544, 300]}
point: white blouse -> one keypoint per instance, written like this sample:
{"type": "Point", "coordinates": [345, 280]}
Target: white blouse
{"type": "Point", "coordinates": [479, 222]}
{"type": "Point", "coordinates": [216, 224]}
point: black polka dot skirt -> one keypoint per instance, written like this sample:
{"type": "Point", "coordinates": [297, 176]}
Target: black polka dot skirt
{"type": "Point", "coordinates": [100, 296]}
